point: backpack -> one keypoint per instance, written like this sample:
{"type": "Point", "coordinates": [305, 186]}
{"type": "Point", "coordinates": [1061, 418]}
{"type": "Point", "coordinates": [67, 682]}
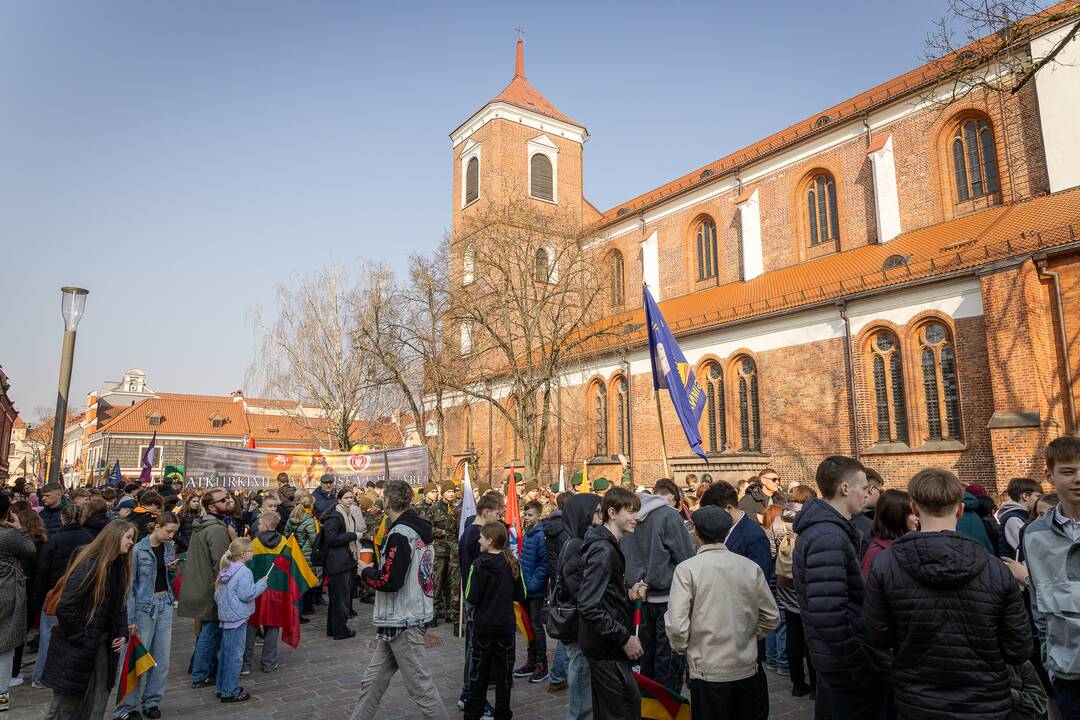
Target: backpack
{"type": "Point", "coordinates": [784, 556]}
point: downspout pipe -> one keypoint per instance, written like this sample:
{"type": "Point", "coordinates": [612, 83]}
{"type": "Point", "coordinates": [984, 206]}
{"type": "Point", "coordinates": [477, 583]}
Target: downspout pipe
{"type": "Point", "coordinates": [1063, 339]}
{"type": "Point", "coordinates": [842, 305]}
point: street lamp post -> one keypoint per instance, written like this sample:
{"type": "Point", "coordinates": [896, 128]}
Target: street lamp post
{"type": "Point", "coordinates": [72, 307]}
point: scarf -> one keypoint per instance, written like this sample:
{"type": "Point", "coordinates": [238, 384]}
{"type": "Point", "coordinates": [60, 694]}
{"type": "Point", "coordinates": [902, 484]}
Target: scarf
{"type": "Point", "coordinates": [350, 526]}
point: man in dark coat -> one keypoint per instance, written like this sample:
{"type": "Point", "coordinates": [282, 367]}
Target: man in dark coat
{"type": "Point", "coordinates": [325, 495]}
{"type": "Point", "coordinates": [830, 589]}
{"type": "Point", "coordinates": [949, 611]}
{"type": "Point", "coordinates": [210, 539]}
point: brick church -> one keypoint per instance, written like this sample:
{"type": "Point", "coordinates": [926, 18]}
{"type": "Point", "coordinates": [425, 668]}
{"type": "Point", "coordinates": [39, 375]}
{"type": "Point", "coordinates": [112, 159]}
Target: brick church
{"type": "Point", "coordinates": [895, 278]}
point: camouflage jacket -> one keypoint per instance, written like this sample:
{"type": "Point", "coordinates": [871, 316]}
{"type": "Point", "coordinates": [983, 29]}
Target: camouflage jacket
{"type": "Point", "coordinates": [444, 524]}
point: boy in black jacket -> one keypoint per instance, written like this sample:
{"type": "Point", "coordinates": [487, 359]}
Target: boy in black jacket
{"type": "Point", "coordinates": [950, 613]}
{"type": "Point", "coordinates": [604, 626]}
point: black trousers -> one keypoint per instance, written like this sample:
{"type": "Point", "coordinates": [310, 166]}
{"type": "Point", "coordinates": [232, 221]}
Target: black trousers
{"type": "Point", "coordinates": [660, 662]}
{"type": "Point", "coordinates": [538, 646]}
{"type": "Point", "coordinates": [492, 661]}
{"type": "Point", "coordinates": [340, 587]}
{"type": "Point", "coordinates": [738, 700]}
{"type": "Point", "coordinates": [797, 651]}
{"type": "Point", "coordinates": [1067, 696]}
{"type": "Point", "coordinates": [615, 694]}
{"type": "Point", "coordinates": [843, 700]}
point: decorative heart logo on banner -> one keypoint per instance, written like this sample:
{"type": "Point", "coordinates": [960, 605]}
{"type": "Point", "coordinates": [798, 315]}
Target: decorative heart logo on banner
{"type": "Point", "coordinates": [359, 462]}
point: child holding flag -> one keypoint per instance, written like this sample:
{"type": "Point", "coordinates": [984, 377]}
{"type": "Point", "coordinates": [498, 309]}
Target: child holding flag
{"type": "Point", "coordinates": [235, 593]}
{"type": "Point", "coordinates": [494, 584]}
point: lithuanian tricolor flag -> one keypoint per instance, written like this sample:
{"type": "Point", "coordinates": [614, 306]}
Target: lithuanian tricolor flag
{"type": "Point", "coordinates": [659, 703]}
{"type": "Point", "coordinates": [137, 660]}
{"type": "Point", "coordinates": [379, 536]}
{"type": "Point", "coordinates": [289, 578]}
{"type": "Point", "coordinates": [522, 619]}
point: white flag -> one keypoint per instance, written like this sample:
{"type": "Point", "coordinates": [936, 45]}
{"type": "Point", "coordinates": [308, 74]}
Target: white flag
{"type": "Point", "coordinates": [562, 480]}
{"type": "Point", "coordinates": [468, 502]}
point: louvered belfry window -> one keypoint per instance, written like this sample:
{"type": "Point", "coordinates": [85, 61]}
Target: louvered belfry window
{"type": "Point", "coordinates": [888, 375]}
{"type": "Point", "coordinates": [822, 215]}
{"type": "Point", "coordinates": [541, 178]}
{"type": "Point", "coordinates": [940, 385]}
{"type": "Point", "coordinates": [974, 160]}
{"type": "Point", "coordinates": [472, 180]}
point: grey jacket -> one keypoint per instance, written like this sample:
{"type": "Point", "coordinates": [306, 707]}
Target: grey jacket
{"type": "Point", "coordinates": [652, 551]}
{"type": "Point", "coordinates": [1053, 561]}
{"type": "Point", "coordinates": [14, 546]}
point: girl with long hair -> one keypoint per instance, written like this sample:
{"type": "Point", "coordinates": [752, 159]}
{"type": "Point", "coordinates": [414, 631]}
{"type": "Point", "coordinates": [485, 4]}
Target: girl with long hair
{"type": "Point", "coordinates": [190, 511]}
{"type": "Point", "coordinates": [150, 608]}
{"type": "Point", "coordinates": [494, 584]}
{"type": "Point", "coordinates": [91, 625]}
{"type": "Point", "coordinates": [15, 546]}
{"type": "Point", "coordinates": [305, 528]}
{"type": "Point", "coordinates": [235, 592]}
{"type": "Point", "coordinates": [893, 517]}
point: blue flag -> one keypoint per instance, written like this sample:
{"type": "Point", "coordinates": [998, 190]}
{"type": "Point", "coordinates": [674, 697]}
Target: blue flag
{"type": "Point", "coordinates": [670, 370]}
{"type": "Point", "coordinates": [115, 478]}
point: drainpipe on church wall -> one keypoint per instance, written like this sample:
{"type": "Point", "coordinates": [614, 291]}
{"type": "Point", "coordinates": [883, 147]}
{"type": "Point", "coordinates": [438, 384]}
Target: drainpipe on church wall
{"type": "Point", "coordinates": [1063, 339]}
{"type": "Point", "coordinates": [850, 380]}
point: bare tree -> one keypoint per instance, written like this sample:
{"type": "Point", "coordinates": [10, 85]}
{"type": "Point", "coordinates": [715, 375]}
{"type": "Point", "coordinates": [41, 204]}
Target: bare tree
{"type": "Point", "coordinates": [985, 45]}
{"type": "Point", "coordinates": [403, 328]}
{"type": "Point", "coordinates": [307, 354]}
{"type": "Point", "coordinates": [532, 298]}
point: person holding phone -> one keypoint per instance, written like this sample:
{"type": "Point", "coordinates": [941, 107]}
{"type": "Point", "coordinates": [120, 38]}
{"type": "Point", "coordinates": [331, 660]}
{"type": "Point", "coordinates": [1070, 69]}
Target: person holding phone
{"type": "Point", "coordinates": [150, 610]}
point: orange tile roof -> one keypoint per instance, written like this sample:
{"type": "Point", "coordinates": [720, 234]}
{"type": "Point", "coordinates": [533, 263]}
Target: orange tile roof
{"type": "Point", "coordinates": [523, 95]}
{"type": "Point", "coordinates": [19, 423]}
{"type": "Point", "coordinates": [878, 142]}
{"type": "Point", "coordinates": [938, 250]}
{"type": "Point", "coordinates": [181, 415]}
{"type": "Point", "coordinates": [919, 78]}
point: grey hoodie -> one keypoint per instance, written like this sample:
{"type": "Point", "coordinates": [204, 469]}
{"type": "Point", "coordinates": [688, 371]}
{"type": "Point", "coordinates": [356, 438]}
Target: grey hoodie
{"type": "Point", "coordinates": [659, 543]}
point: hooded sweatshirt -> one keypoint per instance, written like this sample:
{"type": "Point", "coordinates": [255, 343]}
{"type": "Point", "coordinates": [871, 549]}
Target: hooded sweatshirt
{"type": "Point", "coordinates": [953, 618]}
{"type": "Point", "coordinates": [492, 589]}
{"type": "Point", "coordinates": [405, 580]}
{"type": "Point", "coordinates": [236, 595]}
{"type": "Point", "coordinates": [652, 551]}
{"type": "Point", "coordinates": [1011, 516]}
{"type": "Point", "coordinates": [972, 525]}
{"type": "Point", "coordinates": [577, 517]}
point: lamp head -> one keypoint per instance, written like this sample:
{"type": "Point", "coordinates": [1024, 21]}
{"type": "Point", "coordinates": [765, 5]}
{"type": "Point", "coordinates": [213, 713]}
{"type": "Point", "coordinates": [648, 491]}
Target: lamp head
{"type": "Point", "coordinates": [72, 306]}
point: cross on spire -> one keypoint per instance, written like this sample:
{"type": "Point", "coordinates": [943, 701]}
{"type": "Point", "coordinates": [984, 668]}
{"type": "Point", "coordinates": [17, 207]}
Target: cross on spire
{"type": "Point", "coordinates": [519, 59]}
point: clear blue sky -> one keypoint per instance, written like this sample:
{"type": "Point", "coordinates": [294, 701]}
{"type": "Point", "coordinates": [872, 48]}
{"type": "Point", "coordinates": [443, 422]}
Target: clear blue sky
{"type": "Point", "coordinates": [181, 159]}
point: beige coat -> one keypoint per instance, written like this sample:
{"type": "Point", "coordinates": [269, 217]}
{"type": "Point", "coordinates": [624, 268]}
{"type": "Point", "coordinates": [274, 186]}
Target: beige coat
{"type": "Point", "coordinates": [720, 604]}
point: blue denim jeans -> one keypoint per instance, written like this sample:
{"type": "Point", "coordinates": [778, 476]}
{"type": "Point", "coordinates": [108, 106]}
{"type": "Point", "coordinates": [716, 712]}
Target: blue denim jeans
{"type": "Point", "coordinates": [206, 651]}
{"type": "Point", "coordinates": [45, 626]}
{"type": "Point", "coordinates": [579, 706]}
{"type": "Point", "coordinates": [232, 659]}
{"type": "Point", "coordinates": [776, 647]}
{"type": "Point", "coordinates": [155, 633]}
{"type": "Point", "coordinates": [559, 663]}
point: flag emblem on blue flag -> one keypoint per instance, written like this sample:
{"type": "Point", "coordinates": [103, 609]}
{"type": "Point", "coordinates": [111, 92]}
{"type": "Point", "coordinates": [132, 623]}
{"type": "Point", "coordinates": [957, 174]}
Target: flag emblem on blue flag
{"type": "Point", "coordinates": [671, 371]}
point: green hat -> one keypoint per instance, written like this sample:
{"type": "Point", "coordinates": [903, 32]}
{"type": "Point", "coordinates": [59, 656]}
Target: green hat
{"type": "Point", "coordinates": [601, 484]}
{"type": "Point", "coordinates": [482, 487]}
{"type": "Point", "coordinates": [449, 485]}
{"type": "Point", "coordinates": [365, 502]}
{"type": "Point", "coordinates": [431, 487]}
{"type": "Point", "coordinates": [518, 477]}
{"type": "Point", "coordinates": [554, 487]}
{"type": "Point", "coordinates": [575, 479]}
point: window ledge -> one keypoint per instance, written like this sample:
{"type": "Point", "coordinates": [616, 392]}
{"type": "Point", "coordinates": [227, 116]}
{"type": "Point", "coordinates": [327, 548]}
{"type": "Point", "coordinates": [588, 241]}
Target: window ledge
{"type": "Point", "coordinates": [543, 200]}
{"type": "Point", "coordinates": [905, 449]}
{"type": "Point", "coordinates": [1024, 418]}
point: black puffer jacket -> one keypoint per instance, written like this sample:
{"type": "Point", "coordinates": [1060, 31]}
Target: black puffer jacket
{"type": "Point", "coordinates": [577, 517]}
{"type": "Point", "coordinates": [555, 536]}
{"type": "Point", "coordinates": [96, 523]}
{"type": "Point", "coordinates": [954, 618]}
{"type": "Point", "coordinates": [183, 535]}
{"type": "Point", "coordinates": [603, 608]}
{"type": "Point", "coordinates": [53, 559]}
{"type": "Point", "coordinates": [830, 589]}
{"type": "Point", "coordinates": [78, 633]}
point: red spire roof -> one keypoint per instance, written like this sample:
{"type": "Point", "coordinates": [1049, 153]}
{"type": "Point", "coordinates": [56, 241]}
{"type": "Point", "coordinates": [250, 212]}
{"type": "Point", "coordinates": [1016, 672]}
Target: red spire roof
{"type": "Point", "coordinates": [520, 93]}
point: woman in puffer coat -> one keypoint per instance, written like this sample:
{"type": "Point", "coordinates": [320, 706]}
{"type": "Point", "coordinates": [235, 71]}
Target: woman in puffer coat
{"type": "Point", "coordinates": [91, 626]}
{"type": "Point", "coordinates": [15, 546]}
{"type": "Point", "coordinates": [305, 528]}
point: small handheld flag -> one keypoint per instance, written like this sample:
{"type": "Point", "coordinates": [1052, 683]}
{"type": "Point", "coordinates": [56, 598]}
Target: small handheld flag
{"type": "Point", "coordinates": [670, 370]}
{"type": "Point", "coordinates": [659, 703]}
{"type": "Point", "coordinates": [137, 660]}
{"type": "Point", "coordinates": [115, 478]}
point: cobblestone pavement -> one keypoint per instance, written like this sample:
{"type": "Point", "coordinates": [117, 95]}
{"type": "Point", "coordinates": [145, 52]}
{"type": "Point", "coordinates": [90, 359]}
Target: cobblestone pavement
{"type": "Point", "coordinates": [320, 681]}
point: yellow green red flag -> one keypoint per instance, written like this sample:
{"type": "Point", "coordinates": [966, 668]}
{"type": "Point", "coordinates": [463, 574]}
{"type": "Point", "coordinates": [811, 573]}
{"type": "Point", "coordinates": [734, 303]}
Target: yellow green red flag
{"type": "Point", "coordinates": [137, 660]}
{"type": "Point", "coordinates": [288, 577]}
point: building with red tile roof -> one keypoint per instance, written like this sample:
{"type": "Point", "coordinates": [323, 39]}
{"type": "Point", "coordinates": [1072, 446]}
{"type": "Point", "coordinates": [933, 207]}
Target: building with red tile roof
{"type": "Point", "coordinates": [896, 278]}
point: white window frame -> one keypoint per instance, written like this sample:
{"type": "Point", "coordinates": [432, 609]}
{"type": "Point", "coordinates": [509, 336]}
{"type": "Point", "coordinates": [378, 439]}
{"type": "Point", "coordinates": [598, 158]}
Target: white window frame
{"type": "Point", "coordinates": [468, 265]}
{"type": "Point", "coordinates": [471, 150]}
{"type": "Point", "coordinates": [543, 145]}
{"type": "Point", "coordinates": [158, 455]}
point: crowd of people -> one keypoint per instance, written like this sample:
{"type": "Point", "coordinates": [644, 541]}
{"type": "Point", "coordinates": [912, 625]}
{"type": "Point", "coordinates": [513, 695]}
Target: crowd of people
{"type": "Point", "coordinates": [932, 601]}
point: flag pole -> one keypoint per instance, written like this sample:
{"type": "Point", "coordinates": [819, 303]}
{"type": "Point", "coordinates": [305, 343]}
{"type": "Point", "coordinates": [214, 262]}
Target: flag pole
{"type": "Point", "coordinates": [663, 442]}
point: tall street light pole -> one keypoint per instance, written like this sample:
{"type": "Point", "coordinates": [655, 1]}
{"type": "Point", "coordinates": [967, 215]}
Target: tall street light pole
{"type": "Point", "coordinates": [72, 307]}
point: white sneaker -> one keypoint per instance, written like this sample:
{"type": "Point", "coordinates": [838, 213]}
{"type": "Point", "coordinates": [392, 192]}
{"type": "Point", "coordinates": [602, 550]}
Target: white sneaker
{"type": "Point", "coordinates": [16, 681]}
{"type": "Point", "coordinates": [39, 686]}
